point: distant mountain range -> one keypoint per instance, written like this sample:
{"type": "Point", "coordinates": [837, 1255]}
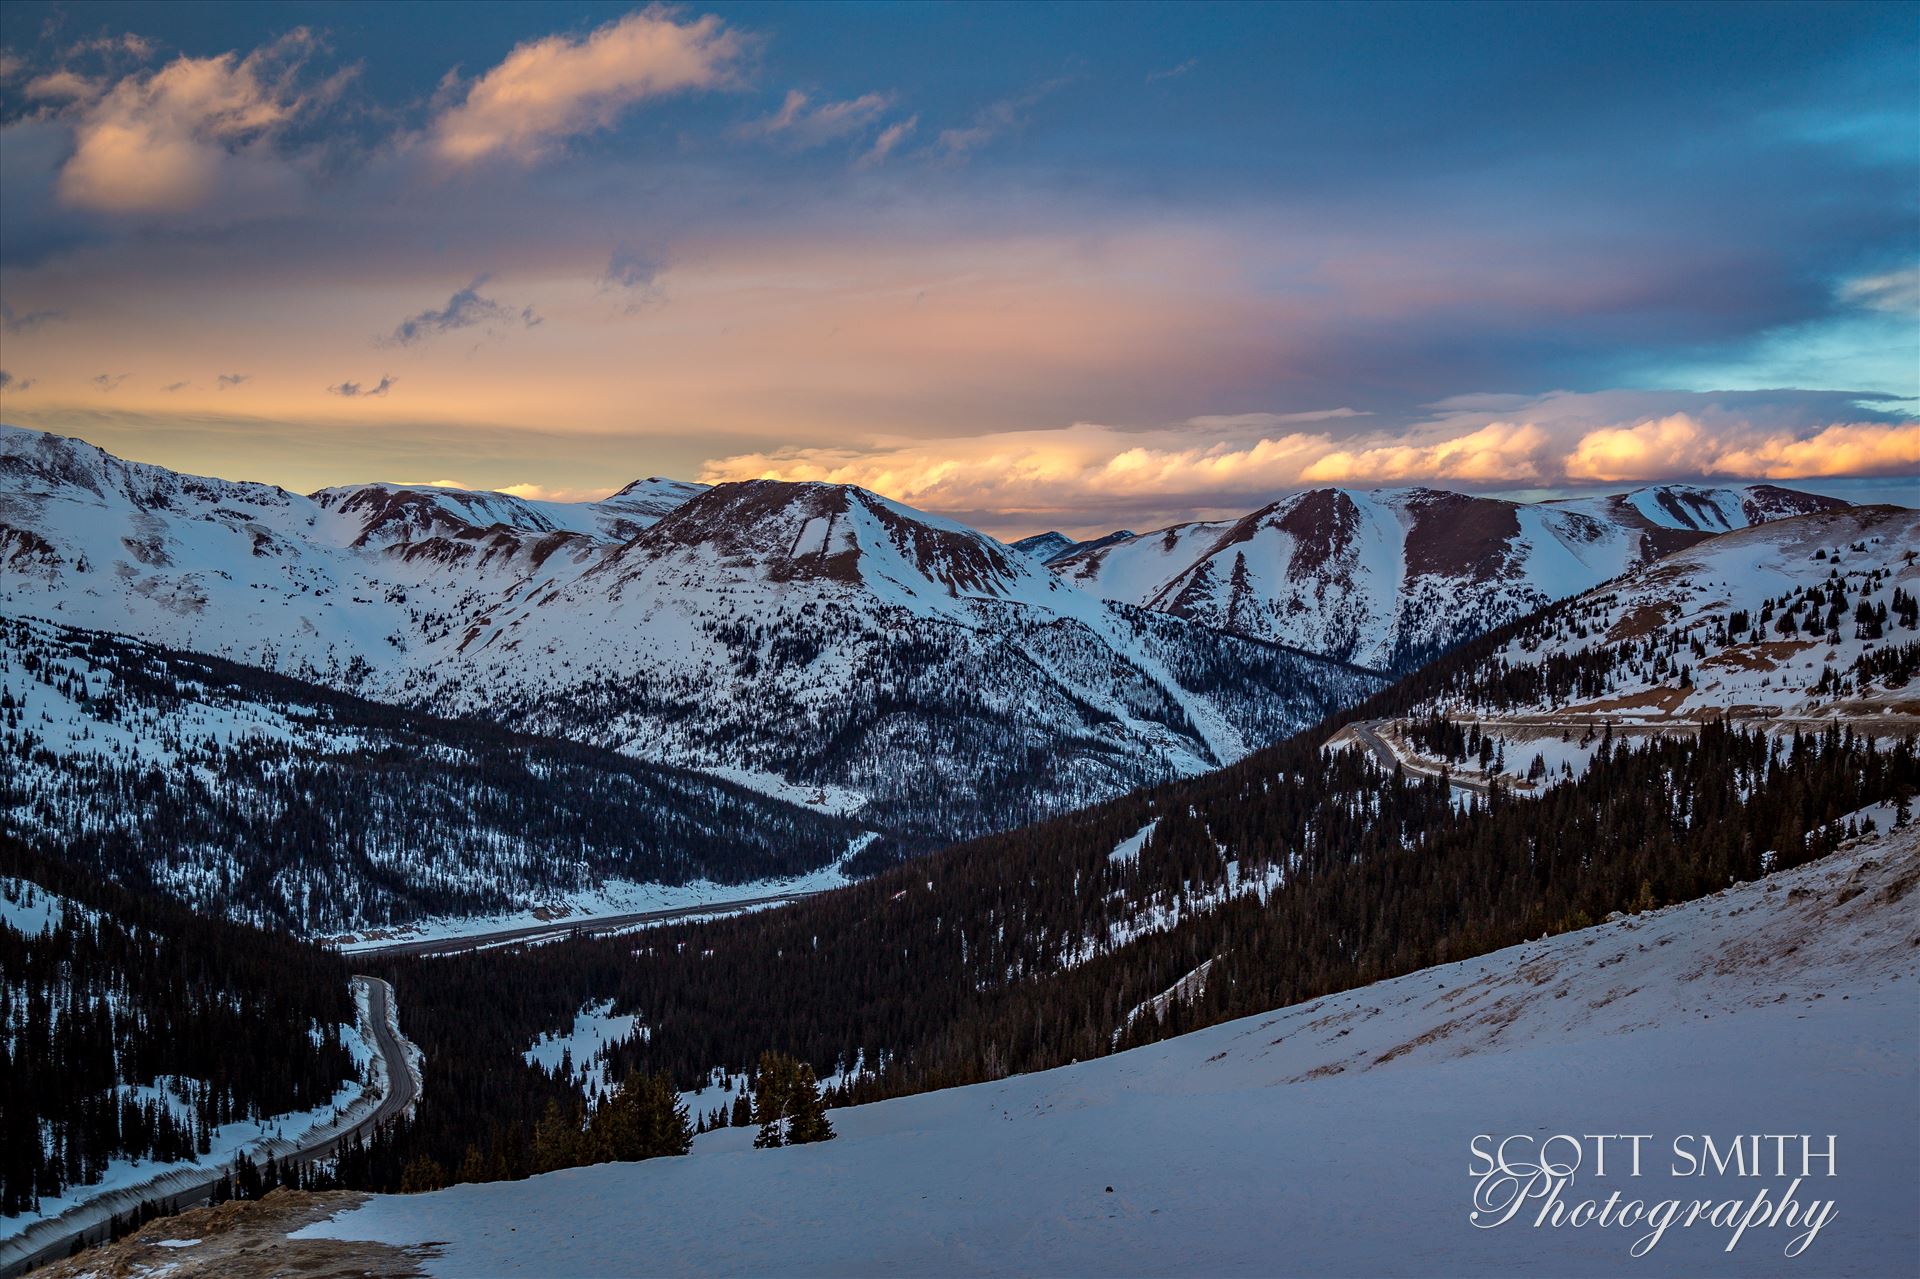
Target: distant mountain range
{"type": "Point", "coordinates": [818, 643]}
{"type": "Point", "coordinates": [1391, 577]}
{"type": "Point", "coordinates": [825, 647]}
{"type": "Point", "coordinates": [1048, 547]}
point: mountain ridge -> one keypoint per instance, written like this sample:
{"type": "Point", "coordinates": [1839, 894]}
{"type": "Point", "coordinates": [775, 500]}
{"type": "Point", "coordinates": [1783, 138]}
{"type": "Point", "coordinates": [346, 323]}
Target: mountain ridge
{"type": "Point", "coordinates": [1389, 577]}
{"type": "Point", "coordinates": [793, 638]}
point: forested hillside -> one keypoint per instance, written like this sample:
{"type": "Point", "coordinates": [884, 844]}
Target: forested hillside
{"type": "Point", "coordinates": [1292, 874]}
{"type": "Point", "coordinates": [135, 1027]}
{"type": "Point", "coordinates": [1815, 615]}
{"type": "Point", "coordinates": [260, 797]}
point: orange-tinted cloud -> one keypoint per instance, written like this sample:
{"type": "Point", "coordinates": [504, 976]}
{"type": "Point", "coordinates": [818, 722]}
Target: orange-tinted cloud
{"type": "Point", "coordinates": [1499, 452]}
{"type": "Point", "coordinates": [1218, 462]}
{"type": "Point", "coordinates": [1842, 449]}
{"type": "Point", "coordinates": [166, 141]}
{"type": "Point", "coordinates": [1679, 445]}
{"type": "Point", "coordinates": [559, 86]}
{"type": "Point", "coordinates": [1651, 450]}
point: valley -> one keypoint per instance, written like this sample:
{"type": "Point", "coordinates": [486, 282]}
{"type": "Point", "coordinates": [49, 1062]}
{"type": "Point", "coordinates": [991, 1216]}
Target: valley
{"type": "Point", "coordinates": [1193, 1154]}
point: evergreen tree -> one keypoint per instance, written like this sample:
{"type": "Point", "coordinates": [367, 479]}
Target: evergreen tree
{"type": "Point", "coordinates": [808, 1110]}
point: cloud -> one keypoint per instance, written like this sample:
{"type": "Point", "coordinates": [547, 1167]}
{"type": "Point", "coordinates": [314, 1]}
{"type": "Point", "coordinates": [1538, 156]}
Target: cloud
{"type": "Point", "coordinates": [63, 86]}
{"type": "Point", "coordinates": [349, 390]}
{"type": "Point", "coordinates": [9, 382]}
{"type": "Point", "coordinates": [541, 493]}
{"type": "Point", "coordinates": [633, 275]}
{"type": "Point", "coordinates": [12, 323]}
{"type": "Point", "coordinates": [1008, 115]}
{"type": "Point", "coordinates": [1232, 463]}
{"type": "Point", "coordinates": [1895, 291]}
{"type": "Point", "coordinates": [175, 386]}
{"type": "Point", "coordinates": [1171, 72]}
{"type": "Point", "coordinates": [166, 141]}
{"type": "Point", "coordinates": [890, 138]}
{"type": "Point", "coordinates": [559, 87]}
{"type": "Point", "coordinates": [226, 380]}
{"type": "Point", "coordinates": [1679, 445]}
{"type": "Point", "coordinates": [108, 381]}
{"type": "Point", "coordinates": [1497, 453]}
{"type": "Point", "coordinates": [1870, 448]}
{"type": "Point", "coordinates": [126, 45]}
{"type": "Point", "coordinates": [800, 125]}
{"type": "Point", "coordinates": [465, 309]}
{"type": "Point", "coordinates": [1650, 450]}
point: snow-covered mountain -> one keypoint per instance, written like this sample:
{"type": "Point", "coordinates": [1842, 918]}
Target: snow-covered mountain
{"type": "Point", "coordinates": [1388, 577]}
{"type": "Point", "coordinates": [390, 513]}
{"type": "Point", "coordinates": [1813, 616]}
{"type": "Point", "coordinates": [822, 636]}
{"type": "Point", "coordinates": [1255, 1146]}
{"type": "Point", "coordinates": [1044, 548]}
{"type": "Point", "coordinates": [1798, 624]}
{"type": "Point", "coordinates": [814, 641]}
{"type": "Point", "coordinates": [1690, 509]}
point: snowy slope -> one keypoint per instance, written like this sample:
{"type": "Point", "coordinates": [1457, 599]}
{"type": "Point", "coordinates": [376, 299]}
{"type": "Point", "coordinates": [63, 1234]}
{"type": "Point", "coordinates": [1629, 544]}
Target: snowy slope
{"type": "Point", "coordinates": [1334, 1137]}
{"type": "Point", "coordinates": [814, 641]}
{"type": "Point", "coordinates": [1666, 632]}
{"type": "Point", "coordinates": [823, 634]}
{"type": "Point", "coordinates": [1388, 577]}
{"type": "Point", "coordinates": [288, 805]}
{"type": "Point", "coordinates": [1045, 547]}
{"type": "Point", "coordinates": [1689, 508]}
{"type": "Point", "coordinates": [389, 513]}
{"type": "Point", "coordinates": [1697, 636]}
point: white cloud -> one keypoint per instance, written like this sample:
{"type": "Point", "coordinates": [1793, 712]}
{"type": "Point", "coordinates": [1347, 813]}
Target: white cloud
{"type": "Point", "coordinates": [1895, 291]}
{"type": "Point", "coordinates": [559, 87]}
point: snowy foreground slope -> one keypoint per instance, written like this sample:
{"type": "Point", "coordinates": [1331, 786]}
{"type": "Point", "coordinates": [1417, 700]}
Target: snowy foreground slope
{"type": "Point", "coordinates": [1334, 1137]}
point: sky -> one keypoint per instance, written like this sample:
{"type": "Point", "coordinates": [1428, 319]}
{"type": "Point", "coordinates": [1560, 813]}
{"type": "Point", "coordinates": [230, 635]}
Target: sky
{"type": "Point", "coordinates": [1030, 266]}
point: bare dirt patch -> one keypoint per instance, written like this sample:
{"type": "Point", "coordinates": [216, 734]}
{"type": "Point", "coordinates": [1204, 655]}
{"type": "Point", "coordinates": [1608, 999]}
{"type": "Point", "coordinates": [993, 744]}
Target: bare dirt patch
{"type": "Point", "coordinates": [1663, 700]}
{"type": "Point", "coordinates": [246, 1240]}
{"type": "Point", "coordinates": [1769, 656]}
{"type": "Point", "coordinates": [1641, 619]}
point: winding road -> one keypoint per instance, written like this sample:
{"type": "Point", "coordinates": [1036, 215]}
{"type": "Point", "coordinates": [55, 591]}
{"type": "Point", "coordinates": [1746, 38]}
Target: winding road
{"type": "Point", "coordinates": [91, 1222]}
{"type": "Point", "coordinates": [1368, 734]}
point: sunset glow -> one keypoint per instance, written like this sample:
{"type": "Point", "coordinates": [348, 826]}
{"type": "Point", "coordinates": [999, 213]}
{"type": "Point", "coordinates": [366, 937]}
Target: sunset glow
{"type": "Point", "coordinates": [1123, 274]}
